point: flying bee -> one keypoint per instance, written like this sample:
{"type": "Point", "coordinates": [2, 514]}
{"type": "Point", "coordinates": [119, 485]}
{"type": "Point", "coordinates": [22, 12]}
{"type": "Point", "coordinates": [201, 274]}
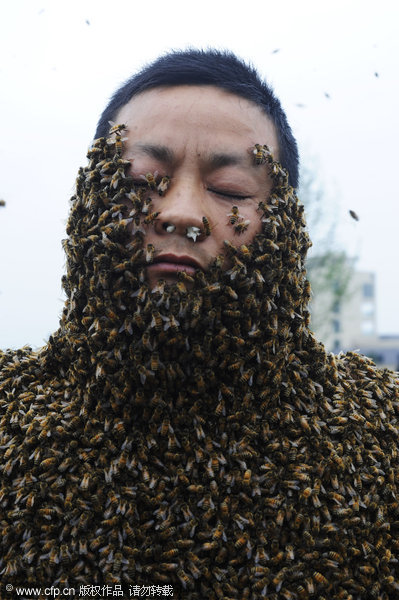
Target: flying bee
{"type": "Point", "coordinates": [163, 185]}
{"type": "Point", "coordinates": [242, 226]}
{"type": "Point", "coordinates": [149, 219]}
{"type": "Point", "coordinates": [151, 179]}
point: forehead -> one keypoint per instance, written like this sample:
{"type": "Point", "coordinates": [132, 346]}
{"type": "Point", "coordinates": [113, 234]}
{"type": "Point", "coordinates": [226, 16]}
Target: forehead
{"type": "Point", "coordinates": [197, 115]}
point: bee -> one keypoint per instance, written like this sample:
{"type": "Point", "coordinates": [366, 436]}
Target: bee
{"type": "Point", "coordinates": [149, 255]}
{"type": "Point", "coordinates": [151, 179]}
{"type": "Point", "coordinates": [196, 489]}
{"type": "Point", "coordinates": [247, 377]}
{"type": "Point", "coordinates": [156, 321]}
{"type": "Point", "coordinates": [84, 484]}
{"type": "Point", "coordinates": [119, 144]}
{"type": "Point", "coordinates": [116, 127]}
{"type": "Point", "coordinates": [207, 546]}
{"type": "Point", "coordinates": [154, 363]}
{"type": "Point", "coordinates": [181, 287]}
{"type": "Point", "coordinates": [207, 227]}
{"type": "Point", "coordinates": [242, 226]}
{"type": "Point", "coordinates": [184, 578]}
{"type": "Point", "coordinates": [53, 557]}
{"type": "Point", "coordinates": [247, 477]}
{"type": "Point", "coordinates": [219, 532]}
{"type": "Point", "coordinates": [48, 463]}
{"type": "Point", "coordinates": [194, 570]}
{"type": "Point", "coordinates": [149, 219]}
{"type": "Point", "coordinates": [30, 500]}
{"type": "Point", "coordinates": [116, 177]}
{"type": "Point", "coordinates": [259, 154]}
{"type": "Point", "coordinates": [320, 578]}
{"type": "Point", "coordinates": [163, 185]}
{"type": "Point", "coordinates": [241, 541]}
{"type": "Point", "coordinates": [310, 585]}
{"type": "Point", "coordinates": [234, 216]}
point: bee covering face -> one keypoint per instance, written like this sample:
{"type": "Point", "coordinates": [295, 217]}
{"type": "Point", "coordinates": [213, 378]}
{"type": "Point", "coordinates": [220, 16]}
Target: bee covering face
{"type": "Point", "coordinates": [200, 138]}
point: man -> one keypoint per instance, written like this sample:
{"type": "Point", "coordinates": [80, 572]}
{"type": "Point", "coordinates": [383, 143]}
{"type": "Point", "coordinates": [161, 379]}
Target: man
{"type": "Point", "coordinates": [183, 429]}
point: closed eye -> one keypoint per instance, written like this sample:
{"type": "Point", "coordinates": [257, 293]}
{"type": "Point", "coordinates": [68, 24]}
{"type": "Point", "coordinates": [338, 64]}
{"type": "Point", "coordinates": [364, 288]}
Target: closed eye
{"type": "Point", "coordinates": [229, 195]}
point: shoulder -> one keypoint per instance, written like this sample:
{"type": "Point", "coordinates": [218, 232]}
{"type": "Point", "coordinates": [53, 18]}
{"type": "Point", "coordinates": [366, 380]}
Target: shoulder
{"type": "Point", "coordinates": [366, 399]}
{"type": "Point", "coordinates": [366, 379]}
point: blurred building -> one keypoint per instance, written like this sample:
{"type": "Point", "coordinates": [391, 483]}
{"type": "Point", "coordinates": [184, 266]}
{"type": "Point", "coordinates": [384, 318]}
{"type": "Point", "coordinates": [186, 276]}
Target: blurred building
{"type": "Point", "coordinates": [350, 323]}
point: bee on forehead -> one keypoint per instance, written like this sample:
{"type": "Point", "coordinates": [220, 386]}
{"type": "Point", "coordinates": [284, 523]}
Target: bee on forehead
{"type": "Point", "coordinates": [116, 127]}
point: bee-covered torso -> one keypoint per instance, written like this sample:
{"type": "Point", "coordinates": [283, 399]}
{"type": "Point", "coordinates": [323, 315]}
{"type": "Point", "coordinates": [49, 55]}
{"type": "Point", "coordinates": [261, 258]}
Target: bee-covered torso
{"type": "Point", "coordinates": [199, 438]}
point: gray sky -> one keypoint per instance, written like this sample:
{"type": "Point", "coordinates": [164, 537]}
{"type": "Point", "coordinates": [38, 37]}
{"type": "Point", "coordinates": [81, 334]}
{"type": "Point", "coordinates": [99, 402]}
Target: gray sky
{"type": "Point", "coordinates": [334, 65]}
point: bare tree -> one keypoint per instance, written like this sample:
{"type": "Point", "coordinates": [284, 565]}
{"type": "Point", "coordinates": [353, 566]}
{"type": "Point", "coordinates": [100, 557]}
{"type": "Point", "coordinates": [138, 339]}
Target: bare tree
{"type": "Point", "coordinates": [329, 267]}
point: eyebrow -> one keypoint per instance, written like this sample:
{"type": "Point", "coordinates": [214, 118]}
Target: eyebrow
{"type": "Point", "coordinates": [161, 153]}
{"type": "Point", "coordinates": [215, 160]}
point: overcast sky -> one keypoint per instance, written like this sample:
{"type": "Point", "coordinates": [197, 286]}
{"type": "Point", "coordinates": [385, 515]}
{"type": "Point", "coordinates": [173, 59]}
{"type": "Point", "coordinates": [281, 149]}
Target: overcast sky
{"type": "Point", "coordinates": [334, 65]}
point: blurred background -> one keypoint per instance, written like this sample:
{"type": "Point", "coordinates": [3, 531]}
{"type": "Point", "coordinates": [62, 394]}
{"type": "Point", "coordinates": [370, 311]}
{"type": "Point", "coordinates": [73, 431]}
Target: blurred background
{"type": "Point", "coordinates": [334, 66]}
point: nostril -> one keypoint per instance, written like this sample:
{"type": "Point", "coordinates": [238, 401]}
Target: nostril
{"type": "Point", "coordinates": [169, 227]}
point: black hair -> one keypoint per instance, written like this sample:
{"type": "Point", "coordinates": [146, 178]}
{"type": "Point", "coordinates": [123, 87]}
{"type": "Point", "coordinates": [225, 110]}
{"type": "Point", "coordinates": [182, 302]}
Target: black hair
{"type": "Point", "coordinates": [209, 67]}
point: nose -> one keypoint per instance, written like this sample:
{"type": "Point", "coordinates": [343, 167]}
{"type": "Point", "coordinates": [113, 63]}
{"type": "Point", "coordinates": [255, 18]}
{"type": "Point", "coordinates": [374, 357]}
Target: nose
{"type": "Point", "coordinates": [181, 209]}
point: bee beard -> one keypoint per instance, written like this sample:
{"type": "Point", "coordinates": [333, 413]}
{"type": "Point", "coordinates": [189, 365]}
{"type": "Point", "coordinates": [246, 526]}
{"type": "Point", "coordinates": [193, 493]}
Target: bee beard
{"type": "Point", "coordinates": [226, 335]}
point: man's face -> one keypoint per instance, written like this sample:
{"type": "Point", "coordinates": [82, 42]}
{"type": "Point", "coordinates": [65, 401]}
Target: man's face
{"type": "Point", "coordinates": [202, 138]}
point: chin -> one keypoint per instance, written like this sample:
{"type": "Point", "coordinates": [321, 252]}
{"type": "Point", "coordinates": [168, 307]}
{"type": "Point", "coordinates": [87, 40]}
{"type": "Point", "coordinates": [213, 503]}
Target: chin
{"type": "Point", "coordinates": [169, 279]}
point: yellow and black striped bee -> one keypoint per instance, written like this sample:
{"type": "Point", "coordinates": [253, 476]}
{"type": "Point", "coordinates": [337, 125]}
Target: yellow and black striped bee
{"type": "Point", "coordinates": [163, 185]}
{"type": "Point", "coordinates": [207, 227]}
{"type": "Point", "coordinates": [149, 255]}
{"type": "Point", "coordinates": [151, 179]}
{"type": "Point", "coordinates": [116, 127]}
{"type": "Point", "coordinates": [234, 215]}
{"type": "Point", "coordinates": [242, 226]}
{"type": "Point", "coordinates": [149, 219]}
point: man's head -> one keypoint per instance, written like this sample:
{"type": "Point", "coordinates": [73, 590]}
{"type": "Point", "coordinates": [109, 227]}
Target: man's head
{"type": "Point", "coordinates": [193, 119]}
{"type": "Point", "coordinates": [211, 68]}
{"type": "Point", "coordinates": [199, 179]}
{"type": "Point", "coordinates": [200, 140]}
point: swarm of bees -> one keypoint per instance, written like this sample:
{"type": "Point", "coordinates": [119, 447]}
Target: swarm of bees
{"type": "Point", "coordinates": [196, 436]}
